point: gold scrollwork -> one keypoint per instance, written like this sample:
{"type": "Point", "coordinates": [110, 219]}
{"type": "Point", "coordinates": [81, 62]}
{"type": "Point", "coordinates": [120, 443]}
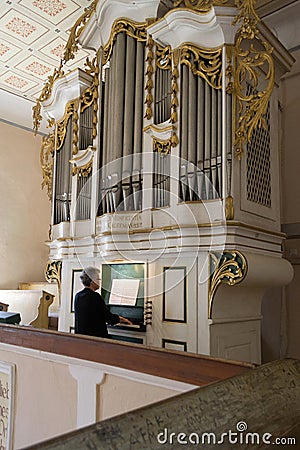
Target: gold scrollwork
{"type": "Point", "coordinates": [70, 50]}
{"type": "Point", "coordinates": [75, 127]}
{"type": "Point", "coordinates": [83, 171]}
{"type": "Point", "coordinates": [163, 147]}
{"type": "Point", "coordinates": [61, 126]}
{"type": "Point", "coordinates": [254, 67]}
{"type": "Point", "coordinates": [204, 63]}
{"type": "Point", "coordinates": [229, 267]}
{"type": "Point", "coordinates": [131, 28]}
{"type": "Point", "coordinates": [174, 87]}
{"type": "Point", "coordinates": [76, 30]}
{"type": "Point", "coordinates": [90, 96]}
{"type": "Point", "coordinates": [45, 94]}
{"type": "Point", "coordinates": [163, 57]}
{"type": "Point", "coordinates": [53, 273]}
{"type": "Point", "coordinates": [46, 159]}
{"type": "Point", "coordinates": [229, 69]}
{"type": "Point", "coordinates": [149, 82]}
{"type": "Point", "coordinates": [201, 6]}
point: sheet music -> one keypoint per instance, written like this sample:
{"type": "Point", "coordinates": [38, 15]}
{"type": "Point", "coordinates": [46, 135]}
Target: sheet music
{"type": "Point", "coordinates": [124, 292]}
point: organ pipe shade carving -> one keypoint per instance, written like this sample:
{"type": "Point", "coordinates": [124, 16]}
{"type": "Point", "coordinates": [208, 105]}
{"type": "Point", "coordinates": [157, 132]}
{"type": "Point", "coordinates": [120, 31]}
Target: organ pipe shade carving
{"type": "Point", "coordinates": [89, 99]}
{"type": "Point", "coordinates": [204, 63]}
{"type": "Point", "coordinates": [134, 29]}
{"type": "Point", "coordinates": [229, 267]}
{"type": "Point", "coordinates": [254, 65]}
{"type": "Point", "coordinates": [163, 91]}
{"type": "Point", "coordinates": [161, 146]}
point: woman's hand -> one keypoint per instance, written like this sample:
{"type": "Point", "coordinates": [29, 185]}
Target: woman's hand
{"type": "Point", "coordinates": [124, 320]}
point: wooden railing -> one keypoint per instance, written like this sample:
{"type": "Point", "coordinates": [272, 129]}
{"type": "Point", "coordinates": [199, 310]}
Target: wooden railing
{"type": "Point", "coordinates": [186, 367]}
{"type": "Point", "coordinates": [254, 410]}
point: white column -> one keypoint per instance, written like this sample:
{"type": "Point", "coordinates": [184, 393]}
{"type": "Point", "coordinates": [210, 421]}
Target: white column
{"type": "Point", "coordinates": [87, 381]}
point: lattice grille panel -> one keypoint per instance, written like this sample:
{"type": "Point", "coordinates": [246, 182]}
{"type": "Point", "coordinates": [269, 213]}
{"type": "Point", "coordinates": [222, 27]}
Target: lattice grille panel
{"type": "Point", "coordinates": [259, 166]}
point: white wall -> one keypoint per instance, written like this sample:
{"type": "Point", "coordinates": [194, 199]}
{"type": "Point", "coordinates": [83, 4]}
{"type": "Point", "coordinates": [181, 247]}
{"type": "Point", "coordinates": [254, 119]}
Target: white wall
{"type": "Point", "coordinates": [25, 208]}
{"type": "Point", "coordinates": [55, 394]}
{"type": "Point", "coordinates": [291, 200]}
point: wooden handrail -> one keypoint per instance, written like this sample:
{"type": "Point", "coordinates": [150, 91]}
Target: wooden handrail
{"type": "Point", "coordinates": [186, 367]}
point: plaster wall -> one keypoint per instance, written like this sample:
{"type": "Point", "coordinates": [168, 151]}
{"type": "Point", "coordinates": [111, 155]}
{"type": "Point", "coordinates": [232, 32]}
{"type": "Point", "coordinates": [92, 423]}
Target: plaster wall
{"type": "Point", "coordinates": [25, 208]}
{"type": "Point", "coordinates": [291, 203]}
{"type": "Point", "coordinates": [48, 388]}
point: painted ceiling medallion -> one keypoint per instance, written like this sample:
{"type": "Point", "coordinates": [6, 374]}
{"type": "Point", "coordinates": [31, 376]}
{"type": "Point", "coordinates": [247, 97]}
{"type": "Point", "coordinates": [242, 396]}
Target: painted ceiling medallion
{"type": "Point", "coordinates": [20, 27]}
{"type": "Point", "coordinates": [3, 49]}
{"type": "Point", "coordinates": [58, 51]}
{"type": "Point", "coordinates": [16, 82]}
{"type": "Point", "coordinates": [50, 7]}
{"type": "Point", "coordinates": [37, 68]}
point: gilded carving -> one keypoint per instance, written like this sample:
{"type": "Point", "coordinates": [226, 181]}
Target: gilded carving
{"type": "Point", "coordinates": [174, 87]}
{"type": "Point", "coordinates": [229, 69]}
{"type": "Point", "coordinates": [254, 67]}
{"type": "Point", "coordinates": [61, 126]}
{"type": "Point", "coordinates": [204, 63]}
{"type": "Point", "coordinates": [229, 267]}
{"type": "Point", "coordinates": [75, 128]}
{"type": "Point", "coordinates": [45, 94]}
{"type": "Point", "coordinates": [90, 96]}
{"type": "Point", "coordinates": [46, 159]}
{"type": "Point", "coordinates": [163, 57]}
{"type": "Point", "coordinates": [70, 50]}
{"type": "Point", "coordinates": [162, 146]}
{"type": "Point", "coordinates": [53, 273]}
{"type": "Point", "coordinates": [134, 29]}
{"type": "Point", "coordinates": [201, 6]}
{"type": "Point", "coordinates": [83, 171]}
{"type": "Point", "coordinates": [76, 30]}
{"type": "Point", "coordinates": [149, 82]}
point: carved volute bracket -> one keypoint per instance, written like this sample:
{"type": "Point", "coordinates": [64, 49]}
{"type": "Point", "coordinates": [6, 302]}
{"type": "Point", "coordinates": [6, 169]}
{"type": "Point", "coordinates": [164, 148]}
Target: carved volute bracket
{"type": "Point", "coordinates": [53, 274]}
{"type": "Point", "coordinates": [229, 267]}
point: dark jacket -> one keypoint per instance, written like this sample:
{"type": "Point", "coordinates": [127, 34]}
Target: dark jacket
{"type": "Point", "coordinates": [92, 314]}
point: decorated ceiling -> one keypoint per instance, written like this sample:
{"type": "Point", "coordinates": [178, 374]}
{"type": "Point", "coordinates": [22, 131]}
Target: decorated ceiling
{"type": "Point", "coordinates": [33, 35]}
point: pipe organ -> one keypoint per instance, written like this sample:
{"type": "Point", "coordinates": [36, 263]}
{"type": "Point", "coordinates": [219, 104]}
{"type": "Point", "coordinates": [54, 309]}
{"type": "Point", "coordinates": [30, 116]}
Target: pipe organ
{"type": "Point", "coordinates": [166, 155]}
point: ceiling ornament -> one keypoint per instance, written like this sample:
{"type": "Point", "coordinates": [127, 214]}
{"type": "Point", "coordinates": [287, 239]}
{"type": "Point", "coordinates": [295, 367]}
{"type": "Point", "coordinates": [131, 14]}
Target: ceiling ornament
{"type": "Point", "coordinates": [254, 67]}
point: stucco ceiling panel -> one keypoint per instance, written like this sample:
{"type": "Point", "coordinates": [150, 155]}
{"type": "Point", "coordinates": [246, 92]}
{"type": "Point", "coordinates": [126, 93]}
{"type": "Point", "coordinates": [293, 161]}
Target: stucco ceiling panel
{"type": "Point", "coordinates": [33, 36]}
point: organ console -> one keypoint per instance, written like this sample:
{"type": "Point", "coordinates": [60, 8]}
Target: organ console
{"type": "Point", "coordinates": [123, 291]}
